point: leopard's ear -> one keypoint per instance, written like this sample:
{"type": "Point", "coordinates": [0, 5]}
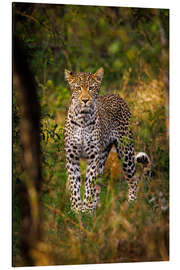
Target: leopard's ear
{"type": "Point", "coordinates": [68, 75]}
{"type": "Point", "coordinates": [98, 75]}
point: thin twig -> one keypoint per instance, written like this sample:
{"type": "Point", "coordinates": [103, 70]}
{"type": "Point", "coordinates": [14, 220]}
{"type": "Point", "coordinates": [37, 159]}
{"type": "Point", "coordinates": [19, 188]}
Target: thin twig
{"type": "Point", "coordinates": [32, 19]}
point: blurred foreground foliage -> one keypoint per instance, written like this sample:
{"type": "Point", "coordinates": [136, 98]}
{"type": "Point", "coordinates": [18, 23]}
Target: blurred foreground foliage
{"type": "Point", "coordinates": [132, 46]}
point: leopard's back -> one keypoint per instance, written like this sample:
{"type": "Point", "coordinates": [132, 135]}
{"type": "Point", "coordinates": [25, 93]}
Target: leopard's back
{"type": "Point", "coordinates": [113, 112]}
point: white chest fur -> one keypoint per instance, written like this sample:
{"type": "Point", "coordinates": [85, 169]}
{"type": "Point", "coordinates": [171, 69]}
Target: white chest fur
{"type": "Point", "coordinates": [84, 138]}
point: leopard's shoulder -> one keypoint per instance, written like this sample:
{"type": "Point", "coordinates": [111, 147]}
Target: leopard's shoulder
{"type": "Point", "coordinates": [113, 107]}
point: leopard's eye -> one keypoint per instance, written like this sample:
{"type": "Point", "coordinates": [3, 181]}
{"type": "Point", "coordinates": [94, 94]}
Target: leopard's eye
{"type": "Point", "coordinates": [91, 88]}
{"type": "Point", "coordinates": [78, 88]}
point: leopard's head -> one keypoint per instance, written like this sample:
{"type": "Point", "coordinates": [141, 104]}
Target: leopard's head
{"type": "Point", "coordinates": [85, 88]}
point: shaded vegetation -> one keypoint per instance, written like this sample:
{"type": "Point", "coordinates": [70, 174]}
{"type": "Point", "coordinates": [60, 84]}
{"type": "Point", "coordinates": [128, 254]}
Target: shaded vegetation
{"type": "Point", "coordinates": [132, 46]}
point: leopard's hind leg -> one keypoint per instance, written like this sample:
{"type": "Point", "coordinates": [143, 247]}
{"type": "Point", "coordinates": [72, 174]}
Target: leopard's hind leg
{"type": "Point", "coordinates": [125, 150]}
{"type": "Point", "coordinates": [103, 157]}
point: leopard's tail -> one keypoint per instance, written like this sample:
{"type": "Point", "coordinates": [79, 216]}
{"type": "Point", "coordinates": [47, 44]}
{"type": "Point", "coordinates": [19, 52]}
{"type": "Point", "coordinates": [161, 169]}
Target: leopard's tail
{"type": "Point", "coordinates": [143, 158]}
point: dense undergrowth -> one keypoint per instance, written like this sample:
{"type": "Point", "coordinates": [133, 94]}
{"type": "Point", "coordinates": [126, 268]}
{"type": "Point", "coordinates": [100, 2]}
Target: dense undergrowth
{"type": "Point", "coordinates": [117, 231]}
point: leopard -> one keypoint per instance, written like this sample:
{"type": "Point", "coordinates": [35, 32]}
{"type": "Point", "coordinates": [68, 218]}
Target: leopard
{"type": "Point", "coordinates": [94, 124]}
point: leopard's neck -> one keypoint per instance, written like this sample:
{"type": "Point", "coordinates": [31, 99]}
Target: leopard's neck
{"type": "Point", "coordinates": [82, 119]}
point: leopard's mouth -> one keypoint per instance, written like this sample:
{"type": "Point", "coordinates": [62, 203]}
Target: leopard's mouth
{"type": "Point", "coordinates": [85, 112]}
{"type": "Point", "coordinates": [85, 109]}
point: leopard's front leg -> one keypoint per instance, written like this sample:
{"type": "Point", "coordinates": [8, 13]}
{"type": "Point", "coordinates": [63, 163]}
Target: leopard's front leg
{"type": "Point", "coordinates": [92, 191]}
{"type": "Point", "coordinates": [73, 171]}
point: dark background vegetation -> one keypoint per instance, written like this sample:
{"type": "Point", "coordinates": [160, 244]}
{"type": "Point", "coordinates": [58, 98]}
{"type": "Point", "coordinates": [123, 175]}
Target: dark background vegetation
{"type": "Point", "coordinates": [131, 44]}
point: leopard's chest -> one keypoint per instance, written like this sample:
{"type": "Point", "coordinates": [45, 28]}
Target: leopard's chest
{"type": "Point", "coordinates": [85, 138]}
{"type": "Point", "coordinates": [82, 135]}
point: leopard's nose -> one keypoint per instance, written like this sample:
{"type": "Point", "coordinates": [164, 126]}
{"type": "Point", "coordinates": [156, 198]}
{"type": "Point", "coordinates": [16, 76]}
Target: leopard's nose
{"type": "Point", "coordinates": [85, 100]}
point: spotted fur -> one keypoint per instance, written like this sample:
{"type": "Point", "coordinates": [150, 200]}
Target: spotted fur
{"type": "Point", "coordinates": [93, 125]}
